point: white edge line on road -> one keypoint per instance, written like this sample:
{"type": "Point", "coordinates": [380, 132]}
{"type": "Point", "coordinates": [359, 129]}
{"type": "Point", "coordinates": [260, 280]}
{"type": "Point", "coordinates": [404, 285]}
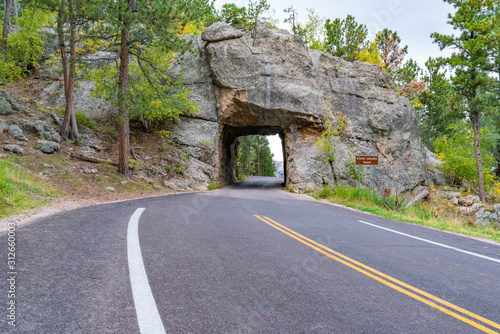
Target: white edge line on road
{"type": "Point", "coordinates": [433, 242]}
{"type": "Point", "coordinates": [148, 317]}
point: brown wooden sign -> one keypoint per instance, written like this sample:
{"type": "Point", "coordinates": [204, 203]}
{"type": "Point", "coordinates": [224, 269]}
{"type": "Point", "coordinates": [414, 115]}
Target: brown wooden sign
{"type": "Point", "coordinates": [367, 160]}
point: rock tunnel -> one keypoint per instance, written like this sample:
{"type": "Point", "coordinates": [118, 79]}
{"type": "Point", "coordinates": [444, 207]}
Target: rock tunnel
{"type": "Point", "coordinates": [228, 148]}
{"type": "Point", "coordinates": [275, 85]}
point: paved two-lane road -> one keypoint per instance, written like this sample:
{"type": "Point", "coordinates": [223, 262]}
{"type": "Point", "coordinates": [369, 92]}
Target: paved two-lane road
{"type": "Point", "coordinates": [250, 258]}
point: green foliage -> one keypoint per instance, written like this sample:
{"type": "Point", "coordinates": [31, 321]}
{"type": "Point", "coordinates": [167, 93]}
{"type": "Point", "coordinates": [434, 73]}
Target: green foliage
{"type": "Point", "coordinates": [233, 15]}
{"type": "Point", "coordinates": [292, 18]}
{"type": "Point", "coordinates": [19, 190]}
{"type": "Point", "coordinates": [391, 52]}
{"type": "Point", "coordinates": [419, 213]}
{"type": "Point", "coordinates": [345, 38]}
{"type": "Point", "coordinates": [83, 119]}
{"type": "Point", "coordinates": [180, 169]}
{"type": "Point", "coordinates": [353, 170]}
{"type": "Point", "coordinates": [25, 45]}
{"type": "Point", "coordinates": [155, 93]}
{"type": "Point", "coordinates": [9, 68]}
{"type": "Point", "coordinates": [441, 106]}
{"type": "Point", "coordinates": [472, 60]}
{"type": "Point", "coordinates": [312, 31]}
{"type": "Point", "coordinates": [408, 83]}
{"type": "Point", "coordinates": [266, 160]}
{"type": "Point", "coordinates": [109, 130]}
{"type": "Point", "coordinates": [370, 54]}
{"type": "Point", "coordinates": [457, 152]}
{"type": "Point", "coordinates": [185, 156]}
{"type": "Point", "coordinates": [334, 125]}
{"type": "Point", "coordinates": [246, 17]}
{"type": "Point", "coordinates": [252, 150]}
{"type": "Point", "coordinates": [213, 185]}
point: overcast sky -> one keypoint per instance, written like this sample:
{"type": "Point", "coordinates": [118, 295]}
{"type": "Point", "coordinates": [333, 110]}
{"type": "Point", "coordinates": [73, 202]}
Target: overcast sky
{"type": "Point", "coordinates": [414, 20]}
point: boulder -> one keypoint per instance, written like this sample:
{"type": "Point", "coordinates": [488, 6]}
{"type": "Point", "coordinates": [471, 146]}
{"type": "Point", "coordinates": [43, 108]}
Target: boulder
{"type": "Point", "coordinates": [53, 95]}
{"type": "Point", "coordinates": [15, 149]}
{"type": "Point", "coordinates": [466, 201]}
{"type": "Point", "coordinates": [486, 218]}
{"type": "Point", "coordinates": [220, 31]}
{"type": "Point", "coordinates": [47, 131]}
{"type": "Point", "coordinates": [6, 95]}
{"type": "Point", "coordinates": [19, 107]}
{"type": "Point", "coordinates": [5, 107]}
{"type": "Point", "coordinates": [4, 126]}
{"type": "Point", "coordinates": [47, 146]}
{"type": "Point", "coordinates": [16, 133]}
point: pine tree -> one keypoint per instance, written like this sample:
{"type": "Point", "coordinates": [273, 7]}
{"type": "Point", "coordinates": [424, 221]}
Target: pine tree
{"type": "Point", "coordinates": [345, 38]}
{"type": "Point", "coordinates": [471, 61]}
{"type": "Point", "coordinates": [132, 28]}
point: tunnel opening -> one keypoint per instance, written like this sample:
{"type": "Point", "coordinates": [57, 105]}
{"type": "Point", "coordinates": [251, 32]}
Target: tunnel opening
{"type": "Point", "coordinates": [229, 142]}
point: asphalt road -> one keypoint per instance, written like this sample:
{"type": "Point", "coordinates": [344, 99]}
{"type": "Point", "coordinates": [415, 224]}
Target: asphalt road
{"type": "Point", "coordinates": [250, 258]}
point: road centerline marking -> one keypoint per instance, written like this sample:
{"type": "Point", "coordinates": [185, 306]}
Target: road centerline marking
{"type": "Point", "coordinates": [148, 317]}
{"type": "Point", "coordinates": [432, 242]}
{"type": "Point", "coordinates": [364, 269]}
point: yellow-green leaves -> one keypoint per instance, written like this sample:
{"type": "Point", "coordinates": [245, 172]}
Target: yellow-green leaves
{"type": "Point", "coordinates": [334, 125]}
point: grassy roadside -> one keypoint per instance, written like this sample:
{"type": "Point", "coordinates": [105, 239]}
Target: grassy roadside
{"type": "Point", "coordinates": [20, 190]}
{"type": "Point", "coordinates": [420, 213]}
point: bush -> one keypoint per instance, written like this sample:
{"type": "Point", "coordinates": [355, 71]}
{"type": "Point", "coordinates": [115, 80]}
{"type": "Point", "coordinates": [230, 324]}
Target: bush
{"type": "Point", "coordinates": [213, 185]}
{"type": "Point", "coordinates": [457, 153]}
{"type": "Point", "coordinates": [26, 44]}
{"type": "Point", "coordinates": [83, 119]}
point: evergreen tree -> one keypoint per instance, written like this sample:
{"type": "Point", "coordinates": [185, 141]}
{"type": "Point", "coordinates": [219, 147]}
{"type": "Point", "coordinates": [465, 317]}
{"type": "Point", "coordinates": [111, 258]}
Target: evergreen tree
{"type": "Point", "coordinates": [133, 28]}
{"type": "Point", "coordinates": [471, 61]}
{"type": "Point", "coordinates": [389, 45]}
{"type": "Point", "coordinates": [254, 156]}
{"type": "Point", "coordinates": [6, 23]}
{"type": "Point", "coordinates": [345, 38]}
{"type": "Point", "coordinates": [312, 31]}
{"type": "Point", "coordinates": [441, 107]}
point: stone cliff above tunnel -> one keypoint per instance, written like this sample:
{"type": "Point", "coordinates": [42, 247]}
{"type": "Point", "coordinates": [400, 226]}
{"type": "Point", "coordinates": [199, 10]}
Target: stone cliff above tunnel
{"type": "Point", "coordinates": [277, 83]}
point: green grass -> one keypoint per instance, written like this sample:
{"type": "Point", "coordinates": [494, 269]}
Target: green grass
{"type": "Point", "coordinates": [420, 213]}
{"type": "Point", "coordinates": [20, 191]}
{"type": "Point", "coordinates": [213, 185]}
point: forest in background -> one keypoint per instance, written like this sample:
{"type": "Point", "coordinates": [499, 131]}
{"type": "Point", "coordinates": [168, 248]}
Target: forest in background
{"type": "Point", "coordinates": [455, 97]}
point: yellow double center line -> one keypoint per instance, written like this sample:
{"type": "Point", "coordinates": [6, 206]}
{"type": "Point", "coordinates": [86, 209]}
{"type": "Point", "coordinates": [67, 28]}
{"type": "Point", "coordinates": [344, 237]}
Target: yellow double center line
{"type": "Point", "coordinates": [402, 287]}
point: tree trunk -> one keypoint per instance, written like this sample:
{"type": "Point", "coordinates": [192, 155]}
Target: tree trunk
{"type": "Point", "coordinates": [6, 23]}
{"type": "Point", "coordinates": [69, 127]}
{"type": "Point", "coordinates": [259, 172]}
{"type": "Point", "coordinates": [16, 12]}
{"type": "Point", "coordinates": [248, 160]}
{"type": "Point", "coordinates": [477, 145]}
{"type": "Point", "coordinates": [122, 111]}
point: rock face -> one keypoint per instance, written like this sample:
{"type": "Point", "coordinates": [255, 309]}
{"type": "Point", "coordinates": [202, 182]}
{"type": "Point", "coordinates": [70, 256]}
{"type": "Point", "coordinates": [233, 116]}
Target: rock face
{"type": "Point", "coordinates": [47, 146]}
{"type": "Point", "coordinates": [16, 133]}
{"type": "Point", "coordinates": [47, 131]}
{"type": "Point", "coordinates": [5, 107]}
{"type": "Point", "coordinates": [278, 86]}
{"type": "Point", "coordinates": [15, 149]}
{"type": "Point", "coordinates": [489, 218]}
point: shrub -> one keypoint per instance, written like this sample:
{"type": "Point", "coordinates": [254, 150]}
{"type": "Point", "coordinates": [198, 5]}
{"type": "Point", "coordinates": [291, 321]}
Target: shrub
{"type": "Point", "coordinates": [457, 153]}
{"type": "Point", "coordinates": [83, 119]}
{"type": "Point", "coordinates": [213, 185]}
